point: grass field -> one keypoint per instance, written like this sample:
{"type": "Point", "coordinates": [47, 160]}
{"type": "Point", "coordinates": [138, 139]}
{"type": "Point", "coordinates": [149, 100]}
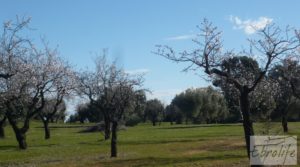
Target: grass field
{"type": "Point", "coordinates": [143, 145]}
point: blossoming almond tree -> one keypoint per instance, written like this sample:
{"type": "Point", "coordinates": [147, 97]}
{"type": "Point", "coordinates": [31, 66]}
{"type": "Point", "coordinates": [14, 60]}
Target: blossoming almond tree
{"type": "Point", "coordinates": [34, 74]}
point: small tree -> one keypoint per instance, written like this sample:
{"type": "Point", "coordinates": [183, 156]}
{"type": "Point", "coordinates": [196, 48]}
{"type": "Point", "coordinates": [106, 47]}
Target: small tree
{"type": "Point", "coordinates": [51, 109]}
{"type": "Point", "coordinates": [273, 44]}
{"type": "Point", "coordinates": [286, 76]}
{"type": "Point", "coordinates": [124, 93]}
{"type": "Point", "coordinates": [140, 105]}
{"type": "Point", "coordinates": [97, 85]}
{"type": "Point", "coordinates": [61, 86]}
{"type": "Point", "coordinates": [187, 103]}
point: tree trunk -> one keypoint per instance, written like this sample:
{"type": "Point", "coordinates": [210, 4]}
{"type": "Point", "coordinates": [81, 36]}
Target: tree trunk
{"type": "Point", "coordinates": [207, 121]}
{"type": "Point", "coordinates": [21, 138]}
{"type": "Point", "coordinates": [2, 123]}
{"type": "Point", "coordinates": [247, 124]}
{"type": "Point", "coordinates": [47, 130]}
{"type": "Point", "coordinates": [20, 132]}
{"type": "Point", "coordinates": [153, 122]}
{"type": "Point", "coordinates": [106, 129]}
{"type": "Point", "coordinates": [114, 139]}
{"type": "Point", "coordinates": [284, 124]}
{"type": "Point", "coordinates": [2, 134]}
{"type": "Point", "coordinates": [144, 118]}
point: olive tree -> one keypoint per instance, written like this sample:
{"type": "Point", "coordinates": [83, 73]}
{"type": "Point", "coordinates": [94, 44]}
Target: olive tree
{"type": "Point", "coordinates": [154, 110]}
{"type": "Point", "coordinates": [272, 43]}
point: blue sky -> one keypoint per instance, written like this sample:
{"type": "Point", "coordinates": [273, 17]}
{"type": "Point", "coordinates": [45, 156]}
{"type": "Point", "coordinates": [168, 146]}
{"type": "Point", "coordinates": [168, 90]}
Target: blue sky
{"type": "Point", "coordinates": [130, 29]}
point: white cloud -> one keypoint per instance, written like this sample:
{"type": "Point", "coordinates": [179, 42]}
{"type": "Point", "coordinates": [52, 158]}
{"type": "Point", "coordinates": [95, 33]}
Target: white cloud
{"type": "Point", "coordinates": [181, 37]}
{"type": "Point", "coordinates": [137, 71]}
{"type": "Point", "coordinates": [250, 26]}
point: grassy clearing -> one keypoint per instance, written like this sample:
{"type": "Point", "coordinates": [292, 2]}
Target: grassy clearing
{"type": "Point", "coordinates": [143, 145]}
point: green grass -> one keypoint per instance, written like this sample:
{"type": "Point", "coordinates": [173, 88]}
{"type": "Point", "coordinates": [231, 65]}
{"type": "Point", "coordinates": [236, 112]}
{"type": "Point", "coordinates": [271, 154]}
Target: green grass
{"type": "Point", "coordinates": [143, 145]}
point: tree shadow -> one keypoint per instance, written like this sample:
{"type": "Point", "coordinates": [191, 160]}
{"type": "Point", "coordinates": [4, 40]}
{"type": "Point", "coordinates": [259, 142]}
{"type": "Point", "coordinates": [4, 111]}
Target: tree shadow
{"type": "Point", "coordinates": [139, 142]}
{"type": "Point", "coordinates": [8, 147]}
{"type": "Point", "coordinates": [200, 126]}
{"type": "Point", "coordinates": [157, 161]}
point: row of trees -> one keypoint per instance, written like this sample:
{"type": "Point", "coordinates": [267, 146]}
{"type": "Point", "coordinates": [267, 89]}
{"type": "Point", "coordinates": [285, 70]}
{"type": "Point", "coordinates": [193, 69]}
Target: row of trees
{"type": "Point", "coordinates": [201, 105]}
{"type": "Point", "coordinates": [112, 92]}
{"type": "Point", "coordinates": [34, 83]}
{"type": "Point", "coordinates": [208, 105]}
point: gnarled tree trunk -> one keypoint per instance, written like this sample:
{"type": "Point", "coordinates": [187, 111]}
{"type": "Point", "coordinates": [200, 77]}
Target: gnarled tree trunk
{"type": "Point", "coordinates": [20, 133]}
{"type": "Point", "coordinates": [106, 129]}
{"type": "Point", "coordinates": [153, 122]}
{"type": "Point", "coordinates": [21, 138]}
{"type": "Point", "coordinates": [47, 130]}
{"type": "Point", "coordinates": [2, 134]}
{"type": "Point", "coordinates": [284, 124]}
{"type": "Point", "coordinates": [2, 123]}
{"type": "Point", "coordinates": [46, 120]}
{"type": "Point", "coordinates": [247, 123]}
{"type": "Point", "coordinates": [114, 139]}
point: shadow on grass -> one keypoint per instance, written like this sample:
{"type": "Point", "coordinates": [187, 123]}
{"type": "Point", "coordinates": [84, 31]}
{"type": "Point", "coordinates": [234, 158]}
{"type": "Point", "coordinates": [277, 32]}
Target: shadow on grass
{"type": "Point", "coordinates": [8, 147]}
{"type": "Point", "coordinates": [64, 127]}
{"type": "Point", "coordinates": [44, 145]}
{"type": "Point", "coordinates": [156, 161]}
{"type": "Point", "coordinates": [142, 142]}
{"type": "Point", "coordinates": [200, 126]}
{"type": "Point", "coordinates": [138, 142]}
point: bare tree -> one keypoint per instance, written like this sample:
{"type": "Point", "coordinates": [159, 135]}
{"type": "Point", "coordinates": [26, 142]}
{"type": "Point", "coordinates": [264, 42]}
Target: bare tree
{"type": "Point", "coordinates": [12, 46]}
{"type": "Point", "coordinates": [286, 75]}
{"type": "Point", "coordinates": [273, 44]}
{"type": "Point", "coordinates": [124, 94]}
{"type": "Point", "coordinates": [113, 92]}
{"type": "Point", "coordinates": [98, 84]}
{"type": "Point", "coordinates": [51, 108]}
{"type": "Point", "coordinates": [61, 86]}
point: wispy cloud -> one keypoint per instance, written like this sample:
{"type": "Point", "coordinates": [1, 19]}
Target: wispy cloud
{"type": "Point", "coordinates": [165, 95]}
{"type": "Point", "coordinates": [138, 71]}
{"type": "Point", "coordinates": [181, 37]}
{"type": "Point", "coordinates": [250, 26]}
